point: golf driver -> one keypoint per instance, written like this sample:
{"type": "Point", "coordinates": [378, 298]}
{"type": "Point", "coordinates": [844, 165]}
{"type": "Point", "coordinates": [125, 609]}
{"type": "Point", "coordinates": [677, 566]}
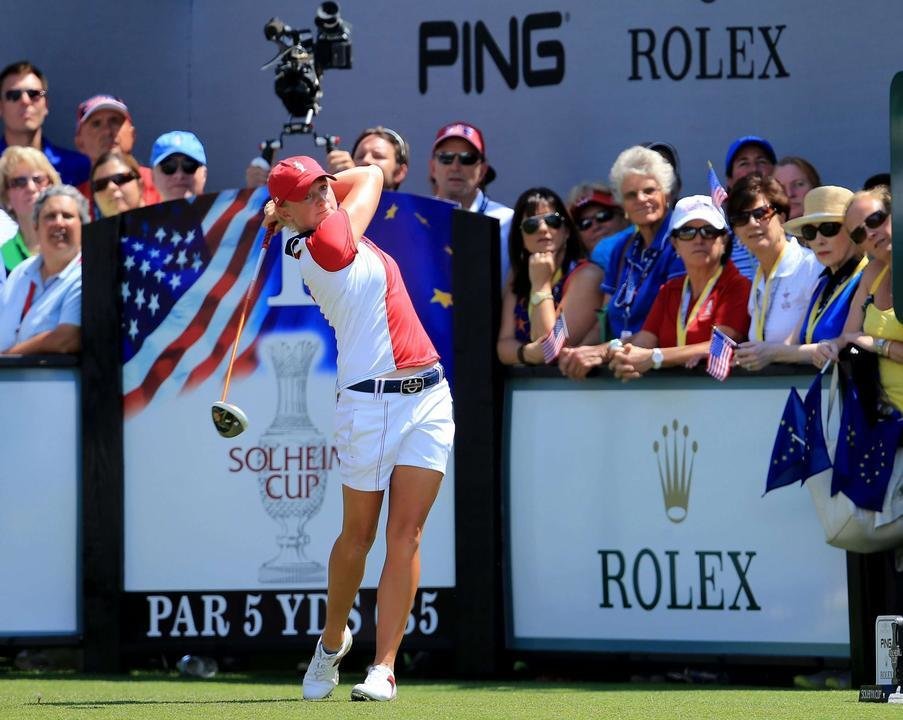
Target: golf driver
{"type": "Point", "coordinates": [228, 419]}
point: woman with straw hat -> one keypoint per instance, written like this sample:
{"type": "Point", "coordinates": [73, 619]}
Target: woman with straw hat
{"type": "Point", "coordinates": [821, 229]}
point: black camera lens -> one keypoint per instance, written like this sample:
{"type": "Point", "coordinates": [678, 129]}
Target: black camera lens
{"type": "Point", "coordinates": [328, 16]}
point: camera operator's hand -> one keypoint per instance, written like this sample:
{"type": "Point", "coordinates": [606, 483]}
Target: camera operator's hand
{"type": "Point", "coordinates": [257, 172]}
{"type": "Point", "coordinates": [339, 160]}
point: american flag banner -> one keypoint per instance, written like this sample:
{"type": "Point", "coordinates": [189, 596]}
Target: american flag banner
{"type": "Point", "coordinates": [185, 269]}
{"type": "Point", "coordinates": [554, 341]}
{"type": "Point", "coordinates": [716, 190]}
{"type": "Point", "coordinates": [721, 355]}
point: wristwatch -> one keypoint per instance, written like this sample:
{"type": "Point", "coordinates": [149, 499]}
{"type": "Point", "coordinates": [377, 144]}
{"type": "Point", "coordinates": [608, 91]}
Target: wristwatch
{"type": "Point", "coordinates": [882, 346]}
{"type": "Point", "coordinates": [658, 357]}
{"type": "Point", "coordinates": [538, 297]}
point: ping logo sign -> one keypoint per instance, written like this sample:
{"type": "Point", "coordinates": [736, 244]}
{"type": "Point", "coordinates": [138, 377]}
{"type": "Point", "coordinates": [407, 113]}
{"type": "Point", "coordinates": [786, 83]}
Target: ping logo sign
{"type": "Point", "coordinates": [519, 56]}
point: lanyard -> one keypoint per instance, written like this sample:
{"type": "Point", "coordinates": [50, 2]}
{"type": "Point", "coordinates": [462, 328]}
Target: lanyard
{"type": "Point", "coordinates": [762, 313]}
{"type": "Point", "coordinates": [28, 300]}
{"type": "Point", "coordinates": [685, 298]}
{"type": "Point", "coordinates": [816, 313]}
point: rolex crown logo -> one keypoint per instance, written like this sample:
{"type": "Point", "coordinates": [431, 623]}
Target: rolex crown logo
{"type": "Point", "coordinates": [673, 472]}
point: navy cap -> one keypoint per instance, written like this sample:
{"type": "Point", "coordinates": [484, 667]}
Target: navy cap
{"type": "Point", "coordinates": [748, 140]}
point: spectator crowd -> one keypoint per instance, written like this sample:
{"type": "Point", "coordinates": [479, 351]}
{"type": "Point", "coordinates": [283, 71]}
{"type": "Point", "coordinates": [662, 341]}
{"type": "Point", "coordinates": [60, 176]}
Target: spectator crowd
{"type": "Point", "coordinates": [790, 269]}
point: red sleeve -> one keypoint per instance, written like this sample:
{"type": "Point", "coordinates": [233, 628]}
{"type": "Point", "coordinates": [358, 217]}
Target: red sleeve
{"type": "Point", "coordinates": [731, 310]}
{"type": "Point", "coordinates": [332, 244]}
{"type": "Point", "coordinates": [658, 313]}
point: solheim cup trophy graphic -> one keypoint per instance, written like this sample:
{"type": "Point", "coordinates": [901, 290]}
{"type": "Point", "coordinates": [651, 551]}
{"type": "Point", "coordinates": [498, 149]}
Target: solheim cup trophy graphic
{"type": "Point", "coordinates": [293, 487]}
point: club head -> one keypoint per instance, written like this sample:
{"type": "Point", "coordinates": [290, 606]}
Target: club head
{"type": "Point", "coordinates": [228, 419]}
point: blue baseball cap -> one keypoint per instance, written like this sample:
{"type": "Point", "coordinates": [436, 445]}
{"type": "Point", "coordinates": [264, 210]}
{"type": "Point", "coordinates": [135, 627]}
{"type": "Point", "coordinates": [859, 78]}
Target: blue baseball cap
{"type": "Point", "coordinates": [747, 140]}
{"type": "Point", "coordinates": [177, 141]}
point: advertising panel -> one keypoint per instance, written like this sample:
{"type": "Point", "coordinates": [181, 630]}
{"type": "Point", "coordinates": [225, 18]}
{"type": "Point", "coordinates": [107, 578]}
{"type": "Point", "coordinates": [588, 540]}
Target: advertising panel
{"type": "Point", "coordinates": [39, 503]}
{"type": "Point", "coordinates": [639, 524]}
{"type": "Point", "coordinates": [230, 538]}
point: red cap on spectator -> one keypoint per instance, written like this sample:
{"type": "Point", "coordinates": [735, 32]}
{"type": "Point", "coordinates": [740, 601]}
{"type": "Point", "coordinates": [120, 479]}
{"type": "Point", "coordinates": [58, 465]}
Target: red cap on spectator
{"type": "Point", "coordinates": [595, 197]}
{"type": "Point", "coordinates": [291, 178]}
{"type": "Point", "coordinates": [470, 133]}
{"type": "Point", "coordinates": [99, 102]}
{"type": "Point", "coordinates": [462, 130]}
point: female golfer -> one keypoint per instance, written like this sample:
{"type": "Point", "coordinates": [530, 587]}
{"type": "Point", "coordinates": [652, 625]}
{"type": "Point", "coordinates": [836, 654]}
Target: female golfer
{"type": "Point", "coordinates": [394, 425]}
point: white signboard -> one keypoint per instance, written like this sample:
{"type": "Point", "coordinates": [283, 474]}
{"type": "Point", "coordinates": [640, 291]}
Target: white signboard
{"type": "Point", "coordinates": [39, 502]}
{"type": "Point", "coordinates": [637, 523]}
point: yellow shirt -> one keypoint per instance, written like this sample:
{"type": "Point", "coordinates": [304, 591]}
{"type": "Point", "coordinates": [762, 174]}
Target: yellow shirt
{"type": "Point", "coordinates": [884, 324]}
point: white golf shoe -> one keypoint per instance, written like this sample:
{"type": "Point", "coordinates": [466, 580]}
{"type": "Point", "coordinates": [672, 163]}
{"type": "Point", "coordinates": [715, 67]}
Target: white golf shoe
{"type": "Point", "coordinates": [379, 685]}
{"type": "Point", "coordinates": [322, 674]}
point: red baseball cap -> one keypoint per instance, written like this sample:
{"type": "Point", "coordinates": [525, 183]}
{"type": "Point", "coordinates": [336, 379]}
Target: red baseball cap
{"type": "Point", "coordinates": [470, 133]}
{"type": "Point", "coordinates": [291, 178]}
{"type": "Point", "coordinates": [596, 197]}
{"type": "Point", "coordinates": [462, 130]}
{"type": "Point", "coordinates": [99, 102]}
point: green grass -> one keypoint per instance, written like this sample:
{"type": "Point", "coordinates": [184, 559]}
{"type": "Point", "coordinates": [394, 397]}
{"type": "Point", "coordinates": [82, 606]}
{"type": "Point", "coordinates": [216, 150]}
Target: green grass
{"type": "Point", "coordinates": [31, 696]}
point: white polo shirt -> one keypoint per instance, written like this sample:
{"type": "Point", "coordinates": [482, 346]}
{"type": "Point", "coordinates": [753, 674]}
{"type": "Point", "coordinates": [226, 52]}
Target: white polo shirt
{"type": "Point", "coordinates": [362, 295]}
{"type": "Point", "coordinates": [788, 295]}
{"type": "Point", "coordinates": [55, 301]}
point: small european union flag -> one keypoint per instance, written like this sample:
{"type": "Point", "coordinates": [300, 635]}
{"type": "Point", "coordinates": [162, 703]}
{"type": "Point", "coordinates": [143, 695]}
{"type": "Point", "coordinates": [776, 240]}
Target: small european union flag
{"type": "Point", "coordinates": [864, 460]}
{"type": "Point", "coordinates": [788, 457]}
{"type": "Point", "coordinates": [799, 449]}
{"type": "Point", "coordinates": [818, 458]}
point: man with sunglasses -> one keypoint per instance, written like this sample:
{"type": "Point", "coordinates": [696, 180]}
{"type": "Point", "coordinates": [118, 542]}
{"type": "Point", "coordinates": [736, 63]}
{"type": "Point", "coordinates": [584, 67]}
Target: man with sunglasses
{"type": "Point", "coordinates": [103, 123]}
{"type": "Point", "coordinates": [23, 108]}
{"type": "Point", "coordinates": [461, 172]}
{"type": "Point", "coordinates": [180, 165]}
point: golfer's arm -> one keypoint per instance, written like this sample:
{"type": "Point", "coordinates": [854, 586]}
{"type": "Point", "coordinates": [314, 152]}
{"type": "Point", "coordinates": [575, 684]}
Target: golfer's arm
{"type": "Point", "coordinates": [358, 190]}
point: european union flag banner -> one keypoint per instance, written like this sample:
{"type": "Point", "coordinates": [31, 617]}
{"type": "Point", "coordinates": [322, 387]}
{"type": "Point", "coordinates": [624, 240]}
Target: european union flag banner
{"type": "Point", "coordinates": [864, 460]}
{"type": "Point", "coordinates": [416, 231]}
{"type": "Point", "coordinates": [187, 265]}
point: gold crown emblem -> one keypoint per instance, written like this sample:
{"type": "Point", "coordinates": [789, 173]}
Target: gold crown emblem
{"type": "Point", "coordinates": [673, 472]}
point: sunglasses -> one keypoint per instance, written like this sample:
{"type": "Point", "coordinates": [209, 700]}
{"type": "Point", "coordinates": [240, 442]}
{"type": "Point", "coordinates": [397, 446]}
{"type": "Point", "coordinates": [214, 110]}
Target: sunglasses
{"type": "Point", "coordinates": [531, 224]}
{"type": "Point", "coordinates": [600, 217]}
{"type": "Point", "coordinates": [173, 163]}
{"type": "Point", "coordinates": [20, 183]}
{"type": "Point", "coordinates": [707, 232]}
{"type": "Point", "coordinates": [16, 95]}
{"type": "Point", "coordinates": [827, 229]}
{"type": "Point", "coordinates": [465, 158]}
{"type": "Point", "coordinates": [872, 222]}
{"type": "Point", "coordinates": [766, 212]}
{"type": "Point", "coordinates": [119, 179]}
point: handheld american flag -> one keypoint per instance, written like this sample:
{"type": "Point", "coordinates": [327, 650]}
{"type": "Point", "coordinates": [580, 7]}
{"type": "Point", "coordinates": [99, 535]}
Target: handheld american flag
{"type": "Point", "coordinates": [721, 355]}
{"type": "Point", "coordinates": [554, 341]}
{"type": "Point", "coordinates": [716, 190]}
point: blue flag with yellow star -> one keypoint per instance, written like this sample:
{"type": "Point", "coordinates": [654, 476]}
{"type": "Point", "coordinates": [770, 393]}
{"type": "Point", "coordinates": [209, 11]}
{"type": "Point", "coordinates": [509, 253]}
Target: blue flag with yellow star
{"type": "Point", "coordinates": [416, 231]}
{"type": "Point", "coordinates": [817, 459]}
{"type": "Point", "coordinates": [864, 460]}
{"type": "Point", "coordinates": [789, 462]}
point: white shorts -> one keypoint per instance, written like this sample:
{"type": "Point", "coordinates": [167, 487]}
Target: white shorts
{"type": "Point", "coordinates": [373, 435]}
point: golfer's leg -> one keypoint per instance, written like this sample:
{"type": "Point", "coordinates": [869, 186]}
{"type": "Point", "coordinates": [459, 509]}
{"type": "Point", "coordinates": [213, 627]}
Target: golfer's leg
{"type": "Point", "coordinates": [360, 516]}
{"type": "Point", "coordinates": [412, 492]}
